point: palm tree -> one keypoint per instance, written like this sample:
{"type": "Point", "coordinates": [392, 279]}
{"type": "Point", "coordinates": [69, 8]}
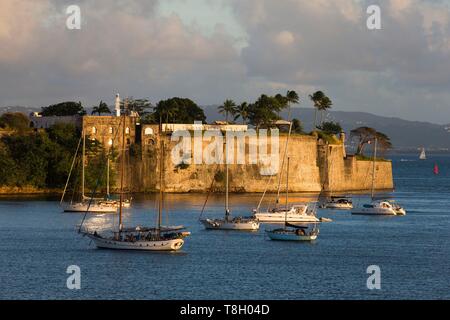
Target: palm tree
{"type": "Point", "coordinates": [325, 104]}
{"type": "Point", "coordinates": [228, 107]}
{"type": "Point", "coordinates": [242, 111]}
{"type": "Point", "coordinates": [291, 97]}
{"type": "Point", "coordinates": [101, 108]}
{"type": "Point", "coordinates": [316, 98]}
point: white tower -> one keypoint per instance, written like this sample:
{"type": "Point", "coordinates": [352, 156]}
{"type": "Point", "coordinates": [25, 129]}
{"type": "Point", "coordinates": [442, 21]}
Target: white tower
{"type": "Point", "coordinates": [117, 105]}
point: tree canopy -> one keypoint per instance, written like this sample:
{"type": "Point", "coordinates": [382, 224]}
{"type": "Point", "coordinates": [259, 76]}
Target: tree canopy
{"type": "Point", "coordinates": [101, 108]}
{"type": "Point", "coordinates": [366, 135]}
{"type": "Point", "coordinates": [178, 110]}
{"type": "Point", "coordinates": [15, 121]}
{"type": "Point", "coordinates": [68, 108]}
{"type": "Point", "coordinates": [331, 127]}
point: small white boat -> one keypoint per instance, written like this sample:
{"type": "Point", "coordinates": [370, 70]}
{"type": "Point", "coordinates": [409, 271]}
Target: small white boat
{"type": "Point", "coordinates": [342, 203]}
{"type": "Point", "coordinates": [237, 223]}
{"type": "Point", "coordinates": [86, 207]}
{"type": "Point", "coordinates": [296, 213]}
{"type": "Point", "coordinates": [423, 155]}
{"type": "Point", "coordinates": [295, 233]}
{"type": "Point", "coordinates": [381, 208]}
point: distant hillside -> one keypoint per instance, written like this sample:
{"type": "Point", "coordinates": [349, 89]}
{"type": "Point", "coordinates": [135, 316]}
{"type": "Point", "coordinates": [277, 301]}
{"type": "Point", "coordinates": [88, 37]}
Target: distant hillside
{"type": "Point", "coordinates": [405, 135]}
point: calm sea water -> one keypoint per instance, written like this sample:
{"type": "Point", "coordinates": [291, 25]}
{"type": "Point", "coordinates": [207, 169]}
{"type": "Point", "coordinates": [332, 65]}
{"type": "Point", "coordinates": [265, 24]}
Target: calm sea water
{"type": "Point", "coordinates": [38, 242]}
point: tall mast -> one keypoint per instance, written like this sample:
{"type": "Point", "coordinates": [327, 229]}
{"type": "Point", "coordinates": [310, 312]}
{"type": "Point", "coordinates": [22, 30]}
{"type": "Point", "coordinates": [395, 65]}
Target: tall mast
{"type": "Point", "coordinates": [373, 169]}
{"type": "Point", "coordinates": [227, 211]}
{"type": "Point", "coordinates": [161, 195]}
{"type": "Point", "coordinates": [287, 193]}
{"type": "Point", "coordinates": [82, 167]}
{"type": "Point", "coordinates": [122, 166]}
{"type": "Point", "coordinates": [284, 158]}
{"type": "Point", "coordinates": [107, 177]}
{"type": "Point", "coordinates": [287, 183]}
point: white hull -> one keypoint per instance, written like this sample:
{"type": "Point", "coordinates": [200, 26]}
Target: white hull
{"type": "Point", "coordinates": [380, 208]}
{"type": "Point", "coordinates": [220, 224]}
{"type": "Point", "coordinates": [374, 212]}
{"type": "Point", "coordinates": [157, 245]}
{"type": "Point", "coordinates": [83, 207]}
{"type": "Point", "coordinates": [283, 217]}
{"type": "Point", "coordinates": [340, 206]}
{"type": "Point", "coordinates": [290, 236]}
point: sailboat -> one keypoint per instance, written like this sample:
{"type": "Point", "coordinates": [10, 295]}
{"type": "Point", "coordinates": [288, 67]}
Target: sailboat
{"type": "Point", "coordinates": [436, 169]}
{"type": "Point", "coordinates": [86, 204]}
{"type": "Point", "coordinates": [109, 199]}
{"type": "Point", "coordinates": [228, 222]}
{"type": "Point", "coordinates": [295, 213]}
{"type": "Point", "coordinates": [422, 155]}
{"type": "Point", "coordinates": [157, 238]}
{"type": "Point", "coordinates": [336, 202]}
{"type": "Point", "coordinates": [379, 207]}
{"type": "Point", "coordinates": [292, 232]}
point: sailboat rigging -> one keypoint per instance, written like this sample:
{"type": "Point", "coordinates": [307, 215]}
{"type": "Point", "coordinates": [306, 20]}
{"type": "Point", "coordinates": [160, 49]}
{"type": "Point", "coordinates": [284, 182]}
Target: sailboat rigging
{"type": "Point", "coordinates": [141, 238]}
{"type": "Point", "coordinates": [228, 222]}
{"type": "Point", "coordinates": [379, 207]}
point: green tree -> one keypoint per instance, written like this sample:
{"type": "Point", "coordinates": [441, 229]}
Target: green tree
{"type": "Point", "coordinates": [68, 108]}
{"type": "Point", "coordinates": [178, 110]}
{"type": "Point", "coordinates": [297, 126]}
{"type": "Point", "coordinates": [264, 111]}
{"type": "Point", "coordinates": [101, 108]}
{"type": "Point", "coordinates": [365, 135]}
{"type": "Point", "coordinates": [228, 108]}
{"type": "Point", "coordinates": [331, 127]}
{"type": "Point", "coordinates": [141, 106]}
{"type": "Point", "coordinates": [325, 104]}
{"type": "Point", "coordinates": [316, 98]}
{"type": "Point", "coordinates": [15, 121]}
{"type": "Point", "coordinates": [242, 111]}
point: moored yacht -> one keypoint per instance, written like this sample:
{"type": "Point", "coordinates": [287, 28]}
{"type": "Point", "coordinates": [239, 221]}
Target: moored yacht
{"type": "Point", "coordinates": [335, 202]}
{"type": "Point", "coordinates": [296, 213]}
{"type": "Point", "coordinates": [379, 207]}
{"type": "Point", "coordinates": [228, 222]}
{"type": "Point", "coordinates": [294, 233]}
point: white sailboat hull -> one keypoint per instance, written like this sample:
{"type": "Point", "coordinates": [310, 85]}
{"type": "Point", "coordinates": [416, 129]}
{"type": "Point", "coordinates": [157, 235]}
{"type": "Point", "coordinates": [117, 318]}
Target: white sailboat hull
{"type": "Point", "coordinates": [374, 211]}
{"type": "Point", "coordinates": [157, 245]}
{"type": "Point", "coordinates": [94, 207]}
{"type": "Point", "coordinates": [283, 217]}
{"type": "Point", "coordinates": [220, 224]}
{"type": "Point", "coordinates": [340, 206]}
{"type": "Point", "coordinates": [290, 236]}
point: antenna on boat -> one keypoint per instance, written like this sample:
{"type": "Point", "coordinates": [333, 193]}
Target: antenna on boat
{"type": "Point", "coordinates": [373, 167]}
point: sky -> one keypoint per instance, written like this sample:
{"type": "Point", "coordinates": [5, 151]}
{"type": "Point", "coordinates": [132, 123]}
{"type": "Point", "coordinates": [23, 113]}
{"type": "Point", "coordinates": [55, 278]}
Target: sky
{"type": "Point", "coordinates": [212, 50]}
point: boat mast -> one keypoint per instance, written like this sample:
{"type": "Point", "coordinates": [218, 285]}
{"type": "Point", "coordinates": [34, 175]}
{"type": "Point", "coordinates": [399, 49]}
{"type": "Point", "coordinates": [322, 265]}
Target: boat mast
{"type": "Point", "coordinates": [82, 167]}
{"type": "Point", "coordinates": [287, 183]}
{"type": "Point", "coordinates": [122, 166]}
{"type": "Point", "coordinates": [107, 177]}
{"type": "Point", "coordinates": [373, 167]}
{"type": "Point", "coordinates": [161, 195]}
{"type": "Point", "coordinates": [227, 210]}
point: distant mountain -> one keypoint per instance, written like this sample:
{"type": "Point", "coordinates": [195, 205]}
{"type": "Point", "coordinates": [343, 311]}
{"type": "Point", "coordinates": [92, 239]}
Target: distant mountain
{"type": "Point", "coordinates": [405, 135]}
{"type": "Point", "coordinates": [25, 110]}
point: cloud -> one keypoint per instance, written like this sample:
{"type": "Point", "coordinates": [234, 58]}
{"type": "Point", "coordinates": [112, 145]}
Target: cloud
{"type": "Point", "coordinates": [129, 47]}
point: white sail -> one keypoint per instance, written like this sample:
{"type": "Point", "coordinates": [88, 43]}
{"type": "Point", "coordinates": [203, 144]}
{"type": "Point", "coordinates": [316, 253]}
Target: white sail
{"type": "Point", "coordinates": [423, 155]}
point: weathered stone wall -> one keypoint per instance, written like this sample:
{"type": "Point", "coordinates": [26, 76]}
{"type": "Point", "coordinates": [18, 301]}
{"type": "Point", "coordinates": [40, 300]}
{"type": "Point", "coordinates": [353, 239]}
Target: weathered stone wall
{"type": "Point", "coordinates": [313, 166]}
{"type": "Point", "coordinates": [341, 173]}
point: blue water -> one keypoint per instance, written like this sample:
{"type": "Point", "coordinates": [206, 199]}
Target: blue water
{"type": "Point", "coordinates": [38, 243]}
